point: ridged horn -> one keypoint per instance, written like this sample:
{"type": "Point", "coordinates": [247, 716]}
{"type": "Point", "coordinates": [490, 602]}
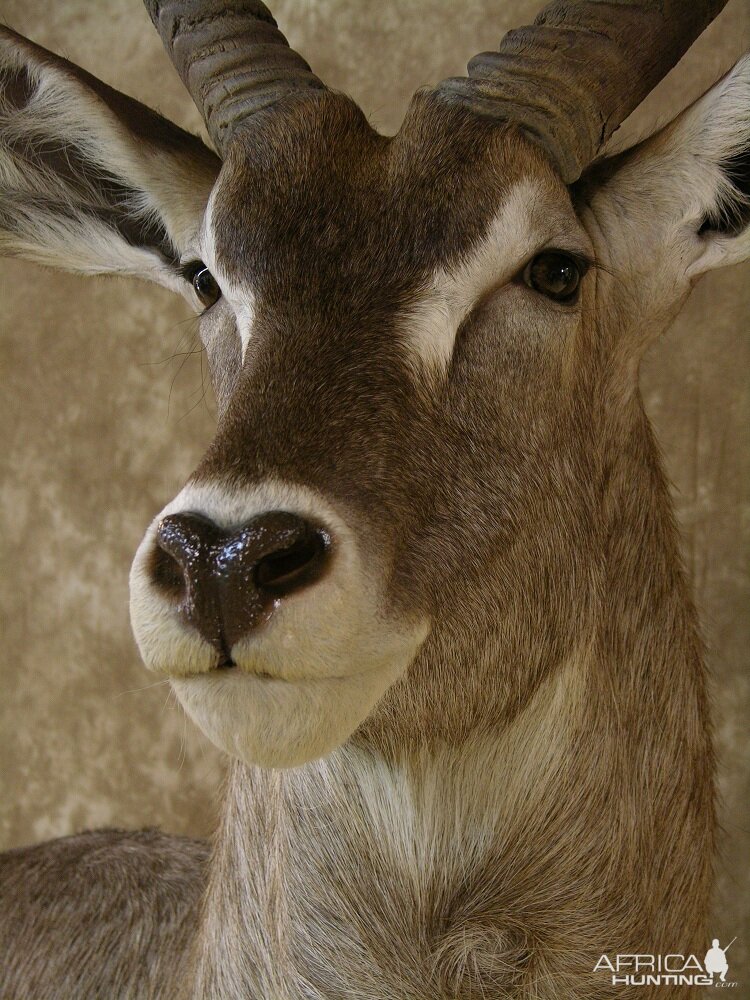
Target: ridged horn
{"type": "Point", "coordinates": [232, 58]}
{"type": "Point", "coordinates": [573, 76]}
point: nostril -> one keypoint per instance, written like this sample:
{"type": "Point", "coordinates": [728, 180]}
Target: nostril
{"type": "Point", "coordinates": [166, 572]}
{"type": "Point", "coordinates": [183, 546]}
{"type": "Point", "coordinates": [281, 572]}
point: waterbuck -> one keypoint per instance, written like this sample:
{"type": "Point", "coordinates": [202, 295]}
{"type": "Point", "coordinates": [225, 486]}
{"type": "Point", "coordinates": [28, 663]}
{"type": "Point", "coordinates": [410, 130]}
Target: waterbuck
{"type": "Point", "coordinates": [424, 587]}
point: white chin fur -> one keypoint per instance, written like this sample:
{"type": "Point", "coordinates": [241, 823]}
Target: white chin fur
{"type": "Point", "coordinates": [305, 679]}
{"type": "Point", "coordinates": [274, 723]}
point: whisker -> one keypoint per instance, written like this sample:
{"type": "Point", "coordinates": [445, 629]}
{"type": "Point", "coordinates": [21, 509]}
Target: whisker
{"type": "Point", "coordinates": [170, 693]}
{"type": "Point", "coordinates": [171, 357]}
{"type": "Point", "coordinates": [174, 379]}
{"type": "Point", "coordinates": [146, 687]}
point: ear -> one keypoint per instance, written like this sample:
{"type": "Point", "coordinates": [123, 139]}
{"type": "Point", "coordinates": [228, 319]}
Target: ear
{"type": "Point", "coordinates": [91, 180]}
{"type": "Point", "coordinates": [677, 205]}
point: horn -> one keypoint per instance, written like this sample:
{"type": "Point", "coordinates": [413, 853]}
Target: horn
{"type": "Point", "coordinates": [232, 58]}
{"type": "Point", "coordinates": [573, 76]}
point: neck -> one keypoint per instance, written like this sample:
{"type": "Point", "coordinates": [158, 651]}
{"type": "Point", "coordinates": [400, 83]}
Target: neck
{"type": "Point", "coordinates": [453, 867]}
{"type": "Point", "coordinates": [576, 823]}
{"type": "Point", "coordinates": [364, 870]}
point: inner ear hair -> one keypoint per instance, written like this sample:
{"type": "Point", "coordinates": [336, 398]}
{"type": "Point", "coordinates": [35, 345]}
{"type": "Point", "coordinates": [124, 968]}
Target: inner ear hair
{"type": "Point", "coordinates": [81, 189]}
{"type": "Point", "coordinates": [90, 179]}
{"type": "Point", "coordinates": [731, 214]}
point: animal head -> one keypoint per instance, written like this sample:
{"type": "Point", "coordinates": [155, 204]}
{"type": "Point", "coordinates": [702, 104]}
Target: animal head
{"type": "Point", "coordinates": [424, 347]}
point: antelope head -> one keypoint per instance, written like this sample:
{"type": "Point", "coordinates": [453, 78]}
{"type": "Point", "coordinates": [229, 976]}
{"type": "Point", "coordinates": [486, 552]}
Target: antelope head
{"type": "Point", "coordinates": [424, 348]}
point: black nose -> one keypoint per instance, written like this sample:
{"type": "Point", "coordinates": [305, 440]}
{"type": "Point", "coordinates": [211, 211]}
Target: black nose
{"type": "Point", "coordinates": [226, 582]}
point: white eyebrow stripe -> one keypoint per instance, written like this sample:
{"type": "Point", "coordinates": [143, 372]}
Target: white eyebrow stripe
{"type": "Point", "coordinates": [241, 300]}
{"type": "Point", "coordinates": [513, 234]}
{"type": "Point", "coordinates": [245, 314]}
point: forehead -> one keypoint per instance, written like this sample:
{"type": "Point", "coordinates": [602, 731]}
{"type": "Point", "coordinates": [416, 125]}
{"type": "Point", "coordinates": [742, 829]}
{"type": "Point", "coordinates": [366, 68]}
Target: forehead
{"type": "Point", "coordinates": [313, 197]}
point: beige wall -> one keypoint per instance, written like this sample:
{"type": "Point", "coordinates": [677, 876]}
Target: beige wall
{"type": "Point", "coordinates": [103, 418]}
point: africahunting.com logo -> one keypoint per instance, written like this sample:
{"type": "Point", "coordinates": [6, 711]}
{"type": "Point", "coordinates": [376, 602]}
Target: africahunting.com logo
{"type": "Point", "coordinates": [669, 970]}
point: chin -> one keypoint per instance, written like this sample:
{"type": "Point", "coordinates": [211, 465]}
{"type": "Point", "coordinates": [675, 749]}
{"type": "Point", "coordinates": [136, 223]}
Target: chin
{"type": "Point", "coordinates": [269, 722]}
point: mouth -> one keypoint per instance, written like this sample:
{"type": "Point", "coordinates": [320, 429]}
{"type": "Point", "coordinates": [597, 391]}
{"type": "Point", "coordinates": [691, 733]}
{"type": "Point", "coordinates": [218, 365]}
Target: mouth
{"type": "Point", "coordinates": [230, 666]}
{"type": "Point", "coordinates": [227, 665]}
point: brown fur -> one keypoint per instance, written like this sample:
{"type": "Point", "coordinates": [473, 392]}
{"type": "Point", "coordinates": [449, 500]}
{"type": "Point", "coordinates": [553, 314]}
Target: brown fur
{"type": "Point", "coordinates": [101, 914]}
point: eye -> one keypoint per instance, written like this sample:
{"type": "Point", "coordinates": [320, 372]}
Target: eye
{"type": "Point", "coordinates": [205, 285]}
{"type": "Point", "coordinates": [556, 274]}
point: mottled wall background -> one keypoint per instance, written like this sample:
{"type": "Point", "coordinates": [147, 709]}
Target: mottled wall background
{"type": "Point", "coordinates": [104, 416]}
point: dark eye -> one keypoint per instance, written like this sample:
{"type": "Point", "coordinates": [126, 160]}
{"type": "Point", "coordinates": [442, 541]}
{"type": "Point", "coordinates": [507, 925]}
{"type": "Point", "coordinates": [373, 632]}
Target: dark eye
{"type": "Point", "coordinates": [555, 274]}
{"type": "Point", "coordinates": [204, 283]}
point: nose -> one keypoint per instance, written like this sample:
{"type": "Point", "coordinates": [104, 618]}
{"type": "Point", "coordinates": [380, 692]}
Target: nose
{"type": "Point", "coordinates": [225, 582]}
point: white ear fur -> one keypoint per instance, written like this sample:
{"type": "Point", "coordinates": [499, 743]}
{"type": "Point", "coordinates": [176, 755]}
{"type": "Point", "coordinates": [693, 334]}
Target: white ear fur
{"type": "Point", "coordinates": [90, 180]}
{"type": "Point", "coordinates": [671, 201]}
{"type": "Point", "coordinates": [717, 135]}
